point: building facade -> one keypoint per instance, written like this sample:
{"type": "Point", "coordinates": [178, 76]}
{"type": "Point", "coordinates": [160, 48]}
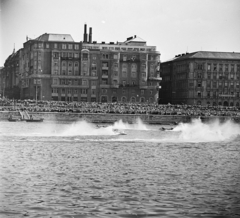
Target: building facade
{"type": "Point", "coordinates": [54, 67]}
{"type": "Point", "coordinates": [202, 78]}
{"type": "Point", "coordinates": [9, 76]}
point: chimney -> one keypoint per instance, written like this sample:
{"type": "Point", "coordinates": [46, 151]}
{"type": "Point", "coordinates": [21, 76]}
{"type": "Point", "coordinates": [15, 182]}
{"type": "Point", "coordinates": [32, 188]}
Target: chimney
{"type": "Point", "coordinates": [85, 33]}
{"type": "Point", "coordinates": [90, 35]}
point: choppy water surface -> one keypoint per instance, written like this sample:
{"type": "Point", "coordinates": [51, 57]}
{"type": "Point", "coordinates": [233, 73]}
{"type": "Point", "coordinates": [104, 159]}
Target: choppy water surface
{"type": "Point", "coordinates": [77, 170]}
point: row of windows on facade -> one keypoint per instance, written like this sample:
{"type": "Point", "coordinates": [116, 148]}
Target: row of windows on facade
{"type": "Point", "coordinates": [216, 84]}
{"type": "Point", "coordinates": [210, 67]}
{"type": "Point", "coordinates": [70, 46]}
{"type": "Point", "coordinates": [210, 75]}
{"type": "Point", "coordinates": [105, 73]}
{"type": "Point", "coordinates": [233, 67]}
{"type": "Point", "coordinates": [94, 91]}
{"type": "Point", "coordinates": [86, 56]}
{"type": "Point", "coordinates": [56, 46]}
{"type": "Point", "coordinates": [115, 65]}
{"type": "Point", "coordinates": [219, 94]}
{"type": "Point", "coordinates": [94, 83]}
{"type": "Point", "coordinates": [123, 48]}
{"type": "Point", "coordinates": [102, 99]}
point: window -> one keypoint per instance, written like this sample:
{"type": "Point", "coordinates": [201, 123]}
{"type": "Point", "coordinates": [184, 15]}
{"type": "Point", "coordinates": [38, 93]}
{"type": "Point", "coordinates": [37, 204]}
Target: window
{"type": "Point", "coordinates": [200, 66]}
{"type": "Point", "coordinates": [47, 45]}
{"type": "Point", "coordinates": [76, 55]}
{"type": "Point", "coordinates": [226, 67]}
{"type": "Point", "coordinates": [70, 55]}
{"type": "Point", "coordinates": [199, 75]}
{"type": "Point", "coordinates": [124, 82]}
{"type": "Point", "coordinates": [84, 82]}
{"type": "Point", "coordinates": [55, 45]}
{"type": "Point", "coordinates": [143, 67]}
{"type": "Point", "coordinates": [70, 46]}
{"type": "Point", "coordinates": [220, 67]}
{"type": "Point", "coordinates": [226, 84]}
{"type": "Point", "coordinates": [105, 56]}
{"type": "Point", "coordinates": [219, 84]}
{"type": "Point", "coordinates": [199, 94]}
{"type": "Point", "coordinates": [85, 56]}
{"type": "Point", "coordinates": [214, 85]}
{"type": "Point", "coordinates": [214, 67]}
{"type": "Point", "coordinates": [209, 75]}
{"type": "Point", "coordinates": [84, 68]}
{"type": "Point", "coordinates": [93, 91]}
{"type": "Point", "coordinates": [124, 57]}
{"type": "Point", "coordinates": [104, 64]}
{"type": "Point", "coordinates": [76, 47]}
{"type": "Point", "coordinates": [209, 67]}
{"type": "Point", "coordinates": [94, 73]}
{"type": "Point", "coordinates": [142, 91]}
{"type": "Point", "coordinates": [220, 75]}
{"type": "Point", "coordinates": [104, 81]}
{"type": "Point", "coordinates": [199, 84]}
{"type": "Point", "coordinates": [208, 94]}
{"type": "Point", "coordinates": [84, 91]}
{"type": "Point", "coordinates": [232, 67]}
{"type": "Point", "coordinates": [232, 76]}
{"type": "Point", "coordinates": [238, 68]}
{"type": "Point", "coordinates": [104, 72]}
{"type": "Point", "coordinates": [64, 46]}
{"type": "Point", "coordinates": [115, 56]}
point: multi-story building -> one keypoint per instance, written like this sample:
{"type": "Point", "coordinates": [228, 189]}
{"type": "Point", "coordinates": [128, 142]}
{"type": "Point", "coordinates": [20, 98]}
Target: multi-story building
{"type": "Point", "coordinates": [9, 77]}
{"type": "Point", "coordinates": [54, 67]}
{"type": "Point", "coordinates": [203, 78]}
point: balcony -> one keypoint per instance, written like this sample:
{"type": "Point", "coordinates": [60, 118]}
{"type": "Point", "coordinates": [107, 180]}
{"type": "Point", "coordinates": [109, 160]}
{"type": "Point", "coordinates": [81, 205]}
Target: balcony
{"type": "Point", "coordinates": [155, 78]}
{"type": "Point", "coordinates": [104, 86]}
{"type": "Point", "coordinates": [115, 86]}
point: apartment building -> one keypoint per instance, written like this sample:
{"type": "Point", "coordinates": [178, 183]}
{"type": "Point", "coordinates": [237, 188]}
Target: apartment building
{"type": "Point", "coordinates": [55, 67]}
{"type": "Point", "coordinates": [202, 78]}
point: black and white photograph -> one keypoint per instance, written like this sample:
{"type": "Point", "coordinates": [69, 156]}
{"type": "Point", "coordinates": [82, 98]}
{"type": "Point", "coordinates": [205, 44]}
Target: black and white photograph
{"type": "Point", "coordinates": [119, 108]}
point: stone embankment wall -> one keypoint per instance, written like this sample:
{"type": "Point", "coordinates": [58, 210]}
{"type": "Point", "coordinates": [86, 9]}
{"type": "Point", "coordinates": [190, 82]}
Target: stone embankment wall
{"type": "Point", "coordinates": [111, 118]}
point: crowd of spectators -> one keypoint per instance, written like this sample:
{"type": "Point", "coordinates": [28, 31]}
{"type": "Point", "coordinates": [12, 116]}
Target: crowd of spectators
{"type": "Point", "coordinates": [117, 108]}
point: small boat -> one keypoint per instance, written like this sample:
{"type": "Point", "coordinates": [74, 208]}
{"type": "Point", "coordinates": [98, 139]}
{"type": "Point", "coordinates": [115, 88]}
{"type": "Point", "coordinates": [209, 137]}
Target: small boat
{"type": "Point", "coordinates": [165, 129]}
{"type": "Point", "coordinates": [11, 119]}
{"type": "Point", "coordinates": [35, 120]}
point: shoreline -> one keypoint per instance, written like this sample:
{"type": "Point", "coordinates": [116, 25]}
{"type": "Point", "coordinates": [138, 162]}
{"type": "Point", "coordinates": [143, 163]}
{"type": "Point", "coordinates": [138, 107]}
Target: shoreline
{"type": "Point", "coordinates": [111, 118]}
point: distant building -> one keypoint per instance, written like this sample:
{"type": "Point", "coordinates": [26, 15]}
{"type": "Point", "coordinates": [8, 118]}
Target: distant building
{"type": "Point", "coordinates": [54, 67]}
{"type": "Point", "coordinates": [9, 76]}
{"type": "Point", "coordinates": [202, 78]}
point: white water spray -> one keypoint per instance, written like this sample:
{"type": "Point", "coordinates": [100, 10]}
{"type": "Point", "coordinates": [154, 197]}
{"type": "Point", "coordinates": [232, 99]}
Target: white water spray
{"type": "Point", "coordinates": [196, 131]}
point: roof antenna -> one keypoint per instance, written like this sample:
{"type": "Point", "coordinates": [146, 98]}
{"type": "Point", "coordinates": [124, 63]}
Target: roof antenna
{"type": "Point", "coordinates": [14, 48]}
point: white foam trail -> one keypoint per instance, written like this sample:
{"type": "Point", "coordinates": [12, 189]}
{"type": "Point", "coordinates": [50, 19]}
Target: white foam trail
{"type": "Point", "coordinates": [86, 129]}
{"type": "Point", "coordinates": [196, 131]}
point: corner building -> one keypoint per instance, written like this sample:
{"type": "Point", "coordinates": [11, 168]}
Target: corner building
{"type": "Point", "coordinates": [201, 78]}
{"type": "Point", "coordinates": [54, 67]}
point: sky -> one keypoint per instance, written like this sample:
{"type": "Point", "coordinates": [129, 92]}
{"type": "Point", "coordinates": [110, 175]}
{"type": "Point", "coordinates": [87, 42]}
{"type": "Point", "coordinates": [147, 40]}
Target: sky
{"type": "Point", "coordinates": [173, 26]}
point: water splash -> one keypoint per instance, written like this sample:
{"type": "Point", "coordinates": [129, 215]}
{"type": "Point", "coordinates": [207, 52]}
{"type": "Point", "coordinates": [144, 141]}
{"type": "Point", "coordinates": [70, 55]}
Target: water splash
{"type": "Point", "coordinates": [139, 125]}
{"type": "Point", "coordinates": [197, 131]}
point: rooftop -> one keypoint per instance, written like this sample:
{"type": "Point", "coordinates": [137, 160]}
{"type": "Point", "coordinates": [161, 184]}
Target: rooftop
{"type": "Point", "coordinates": [207, 55]}
{"type": "Point", "coordinates": [55, 37]}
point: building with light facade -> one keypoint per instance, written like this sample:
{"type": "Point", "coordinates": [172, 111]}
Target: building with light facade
{"type": "Point", "coordinates": [202, 78]}
{"type": "Point", "coordinates": [54, 67]}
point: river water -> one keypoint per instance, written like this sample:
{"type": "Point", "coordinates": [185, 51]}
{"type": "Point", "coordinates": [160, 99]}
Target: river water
{"type": "Point", "coordinates": [75, 170]}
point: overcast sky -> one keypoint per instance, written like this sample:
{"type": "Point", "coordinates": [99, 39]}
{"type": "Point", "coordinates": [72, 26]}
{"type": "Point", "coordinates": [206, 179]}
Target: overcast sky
{"type": "Point", "coordinates": [174, 26]}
